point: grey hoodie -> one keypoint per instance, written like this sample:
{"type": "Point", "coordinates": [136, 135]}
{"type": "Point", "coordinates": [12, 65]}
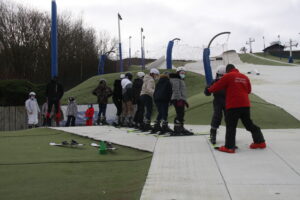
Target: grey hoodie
{"type": "Point", "coordinates": [178, 87]}
{"type": "Point", "coordinates": [72, 109]}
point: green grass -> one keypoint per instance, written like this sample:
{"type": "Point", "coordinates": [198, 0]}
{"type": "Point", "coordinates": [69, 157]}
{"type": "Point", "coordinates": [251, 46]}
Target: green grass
{"type": "Point", "coordinates": [269, 56]}
{"type": "Point", "coordinates": [200, 111]}
{"type": "Point", "coordinates": [32, 169]}
{"type": "Point", "coordinates": [257, 61]}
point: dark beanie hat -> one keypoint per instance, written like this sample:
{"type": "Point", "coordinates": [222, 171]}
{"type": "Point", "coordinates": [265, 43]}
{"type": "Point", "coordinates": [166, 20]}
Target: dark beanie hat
{"type": "Point", "coordinates": [229, 67]}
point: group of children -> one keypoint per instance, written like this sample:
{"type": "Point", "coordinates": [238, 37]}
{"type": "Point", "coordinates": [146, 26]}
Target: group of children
{"type": "Point", "coordinates": [134, 100]}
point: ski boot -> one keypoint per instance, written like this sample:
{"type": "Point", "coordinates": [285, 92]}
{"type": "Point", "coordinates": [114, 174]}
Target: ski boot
{"type": "Point", "coordinates": [185, 131]}
{"type": "Point", "coordinates": [165, 128]}
{"type": "Point", "coordinates": [213, 135]}
{"type": "Point", "coordinates": [177, 129]}
{"type": "Point", "coordinates": [103, 121]}
{"type": "Point", "coordinates": [146, 126]}
{"type": "Point", "coordinates": [98, 120]}
{"type": "Point", "coordinates": [156, 127]}
{"type": "Point", "coordinates": [130, 122]}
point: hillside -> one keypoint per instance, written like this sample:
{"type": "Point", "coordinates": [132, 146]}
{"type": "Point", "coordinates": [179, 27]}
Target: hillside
{"type": "Point", "coordinates": [200, 110]}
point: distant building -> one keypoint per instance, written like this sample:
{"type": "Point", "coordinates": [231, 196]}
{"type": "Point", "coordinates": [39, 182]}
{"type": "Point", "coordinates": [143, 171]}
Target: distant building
{"type": "Point", "coordinates": [275, 47]}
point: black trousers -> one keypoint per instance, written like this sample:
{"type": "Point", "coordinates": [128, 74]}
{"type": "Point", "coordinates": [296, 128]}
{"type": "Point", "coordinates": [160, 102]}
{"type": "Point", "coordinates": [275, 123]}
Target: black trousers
{"type": "Point", "coordinates": [71, 120]}
{"type": "Point", "coordinates": [118, 104]}
{"type": "Point", "coordinates": [232, 117]}
{"type": "Point", "coordinates": [179, 114]}
{"type": "Point", "coordinates": [146, 102]}
{"type": "Point", "coordinates": [162, 109]}
{"type": "Point", "coordinates": [137, 114]}
{"type": "Point", "coordinates": [102, 110]}
{"type": "Point", "coordinates": [219, 109]}
{"type": "Point", "coordinates": [52, 102]}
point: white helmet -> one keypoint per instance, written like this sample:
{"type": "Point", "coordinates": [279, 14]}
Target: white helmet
{"type": "Point", "coordinates": [32, 94]}
{"type": "Point", "coordinates": [122, 76]}
{"type": "Point", "coordinates": [154, 71]}
{"type": "Point", "coordinates": [178, 69]}
{"type": "Point", "coordinates": [221, 70]}
{"type": "Point", "coordinates": [140, 74]}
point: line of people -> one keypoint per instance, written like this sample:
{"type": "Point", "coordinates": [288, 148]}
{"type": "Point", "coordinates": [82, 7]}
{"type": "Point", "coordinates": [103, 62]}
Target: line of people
{"type": "Point", "coordinates": [134, 100]}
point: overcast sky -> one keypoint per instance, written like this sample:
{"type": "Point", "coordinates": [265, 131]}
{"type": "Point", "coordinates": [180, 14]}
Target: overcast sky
{"type": "Point", "coordinates": [194, 21]}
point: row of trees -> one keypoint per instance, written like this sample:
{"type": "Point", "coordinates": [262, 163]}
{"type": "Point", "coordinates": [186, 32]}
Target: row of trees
{"type": "Point", "coordinates": [25, 48]}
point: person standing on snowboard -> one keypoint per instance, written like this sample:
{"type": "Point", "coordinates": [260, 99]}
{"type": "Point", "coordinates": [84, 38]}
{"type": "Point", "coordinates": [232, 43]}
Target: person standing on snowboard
{"type": "Point", "coordinates": [238, 88]}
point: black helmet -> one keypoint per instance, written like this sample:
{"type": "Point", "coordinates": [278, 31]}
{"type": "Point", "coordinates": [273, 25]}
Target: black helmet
{"type": "Point", "coordinates": [129, 75]}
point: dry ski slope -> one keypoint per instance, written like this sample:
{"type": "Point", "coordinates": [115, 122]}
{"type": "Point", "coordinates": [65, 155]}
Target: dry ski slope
{"type": "Point", "coordinates": [189, 168]}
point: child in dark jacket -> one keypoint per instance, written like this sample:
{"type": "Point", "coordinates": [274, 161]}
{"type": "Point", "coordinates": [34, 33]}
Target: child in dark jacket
{"type": "Point", "coordinates": [137, 88]}
{"type": "Point", "coordinates": [162, 97]}
{"type": "Point", "coordinates": [103, 92]}
{"type": "Point", "coordinates": [117, 99]}
{"type": "Point", "coordinates": [218, 106]}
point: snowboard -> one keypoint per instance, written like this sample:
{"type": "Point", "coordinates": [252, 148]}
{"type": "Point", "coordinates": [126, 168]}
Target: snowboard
{"type": "Point", "coordinates": [66, 144]}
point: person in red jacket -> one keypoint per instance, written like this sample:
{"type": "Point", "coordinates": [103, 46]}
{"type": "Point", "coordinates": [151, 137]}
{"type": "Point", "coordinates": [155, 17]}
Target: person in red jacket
{"type": "Point", "coordinates": [89, 114]}
{"type": "Point", "coordinates": [238, 88]}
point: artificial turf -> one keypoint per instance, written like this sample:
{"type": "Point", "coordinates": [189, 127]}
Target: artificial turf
{"type": "Point", "coordinates": [32, 169]}
{"type": "Point", "coordinates": [247, 58]}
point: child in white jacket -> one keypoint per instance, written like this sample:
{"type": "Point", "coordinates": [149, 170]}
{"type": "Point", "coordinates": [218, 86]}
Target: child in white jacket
{"type": "Point", "coordinates": [32, 109]}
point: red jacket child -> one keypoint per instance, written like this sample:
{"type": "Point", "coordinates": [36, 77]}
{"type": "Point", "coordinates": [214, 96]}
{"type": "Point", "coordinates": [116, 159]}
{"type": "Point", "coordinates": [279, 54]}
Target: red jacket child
{"type": "Point", "coordinates": [89, 114]}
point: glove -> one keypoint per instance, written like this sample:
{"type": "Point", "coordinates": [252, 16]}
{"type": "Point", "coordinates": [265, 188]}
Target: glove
{"type": "Point", "coordinates": [206, 92]}
{"type": "Point", "coordinates": [172, 102]}
{"type": "Point", "coordinates": [186, 104]}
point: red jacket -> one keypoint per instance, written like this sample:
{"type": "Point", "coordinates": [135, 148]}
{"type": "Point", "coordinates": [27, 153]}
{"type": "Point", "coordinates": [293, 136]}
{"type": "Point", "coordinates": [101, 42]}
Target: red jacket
{"type": "Point", "coordinates": [237, 88]}
{"type": "Point", "coordinates": [89, 112]}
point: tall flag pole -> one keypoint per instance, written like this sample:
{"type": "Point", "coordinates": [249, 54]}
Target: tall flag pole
{"type": "Point", "coordinates": [54, 65]}
{"type": "Point", "coordinates": [129, 51]}
{"type": "Point", "coordinates": [120, 44]}
{"type": "Point", "coordinates": [142, 50]}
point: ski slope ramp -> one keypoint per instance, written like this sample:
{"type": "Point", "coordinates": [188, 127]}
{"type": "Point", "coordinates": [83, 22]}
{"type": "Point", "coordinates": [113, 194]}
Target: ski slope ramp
{"type": "Point", "coordinates": [279, 85]}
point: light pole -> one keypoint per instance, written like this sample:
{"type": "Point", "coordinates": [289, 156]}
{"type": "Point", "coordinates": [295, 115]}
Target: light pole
{"type": "Point", "coordinates": [279, 42]}
{"type": "Point", "coordinates": [129, 63]}
{"type": "Point", "coordinates": [142, 50]}
{"type": "Point", "coordinates": [251, 40]}
{"type": "Point", "coordinates": [169, 52]}
{"type": "Point", "coordinates": [264, 42]}
{"type": "Point", "coordinates": [144, 55]}
{"type": "Point", "coordinates": [291, 45]}
{"type": "Point", "coordinates": [54, 65]}
{"type": "Point", "coordinates": [120, 44]}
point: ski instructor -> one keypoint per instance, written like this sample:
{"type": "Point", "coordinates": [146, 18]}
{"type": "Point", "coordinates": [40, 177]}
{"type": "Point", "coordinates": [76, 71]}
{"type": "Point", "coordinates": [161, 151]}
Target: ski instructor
{"type": "Point", "coordinates": [238, 88]}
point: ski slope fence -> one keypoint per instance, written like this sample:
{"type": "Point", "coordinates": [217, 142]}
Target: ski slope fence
{"type": "Point", "coordinates": [13, 118]}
